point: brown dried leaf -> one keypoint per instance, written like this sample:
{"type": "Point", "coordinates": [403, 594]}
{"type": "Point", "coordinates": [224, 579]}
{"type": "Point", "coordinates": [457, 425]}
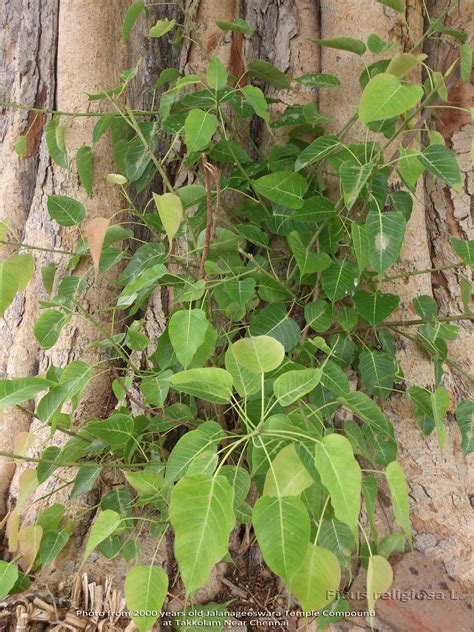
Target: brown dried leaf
{"type": "Point", "coordinates": [95, 231]}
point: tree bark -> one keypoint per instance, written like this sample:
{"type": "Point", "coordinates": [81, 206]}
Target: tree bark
{"type": "Point", "coordinates": [58, 53]}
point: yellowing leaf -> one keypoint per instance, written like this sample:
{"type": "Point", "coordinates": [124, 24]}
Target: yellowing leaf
{"type": "Point", "coordinates": [287, 476]}
{"type": "Point", "coordinates": [259, 354]}
{"type": "Point", "coordinates": [145, 592]}
{"type": "Point", "coordinates": [170, 210]}
{"type": "Point", "coordinates": [95, 232]}
{"type": "Point", "coordinates": [27, 484]}
{"type": "Point", "coordinates": [379, 579]}
{"type": "Point", "coordinates": [8, 577]}
{"type": "Point", "coordinates": [11, 530]}
{"type": "Point", "coordinates": [106, 523]}
{"type": "Point", "coordinates": [22, 443]}
{"type": "Point", "coordinates": [29, 540]}
{"type": "Point", "coordinates": [316, 581]}
{"type": "Point", "coordinates": [399, 493]}
{"type": "Point", "coordinates": [340, 474]}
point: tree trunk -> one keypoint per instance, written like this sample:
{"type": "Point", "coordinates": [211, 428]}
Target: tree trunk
{"type": "Point", "coordinates": [57, 52]}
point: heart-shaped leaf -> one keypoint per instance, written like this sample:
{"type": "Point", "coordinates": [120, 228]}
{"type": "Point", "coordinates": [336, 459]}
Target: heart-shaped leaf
{"type": "Point", "coordinates": [386, 96]}
{"type": "Point", "coordinates": [283, 187]}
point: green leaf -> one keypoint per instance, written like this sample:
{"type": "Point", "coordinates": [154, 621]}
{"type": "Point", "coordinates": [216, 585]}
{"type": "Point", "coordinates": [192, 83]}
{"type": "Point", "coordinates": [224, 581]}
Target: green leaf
{"type": "Point", "coordinates": [360, 242]}
{"type": "Point", "coordinates": [347, 317]}
{"type": "Point", "coordinates": [378, 371]}
{"type": "Point", "coordinates": [402, 63]}
{"type": "Point", "coordinates": [258, 354]}
{"type": "Point", "coordinates": [380, 429]}
{"type": "Point", "coordinates": [379, 579]}
{"type": "Point", "coordinates": [464, 249]}
{"type": "Point", "coordinates": [8, 577]}
{"type": "Point", "coordinates": [465, 53]}
{"type": "Point", "coordinates": [399, 494]}
{"type": "Point", "coordinates": [84, 168]}
{"type": "Point", "coordinates": [334, 379]}
{"type": "Point", "coordinates": [377, 45]}
{"type": "Point", "coordinates": [318, 315]}
{"type": "Point", "coordinates": [85, 479]}
{"type": "Point", "coordinates": [337, 538]}
{"type": "Point", "coordinates": [202, 516]}
{"type": "Point", "coordinates": [54, 134]}
{"type": "Point", "coordinates": [287, 476]}
{"type": "Point", "coordinates": [71, 383]}
{"type": "Point", "coordinates": [317, 580]}
{"type": "Point", "coordinates": [465, 420]}
{"type": "Point", "coordinates": [340, 474]}
{"type": "Point", "coordinates": [161, 28]}
{"type": "Point", "coordinates": [105, 524]}
{"type": "Point", "coordinates": [386, 232]}
{"type": "Point", "coordinates": [65, 210]}
{"type": "Point", "coordinates": [339, 280]}
{"type": "Point", "coordinates": [191, 445]}
{"type": "Point", "coordinates": [238, 26]}
{"type": "Point", "coordinates": [319, 80]}
{"type": "Point", "coordinates": [216, 74]}
{"type": "Point", "coordinates": [147, 483]}
{"type": "Point", "coordinates": [466, 293]}
{"type": "Point", "coordinates": [283, 187]}
{"type": "Point", "coordinates": [353, 179]}
{"type": "Point", "coordinates": [374, 307]}
{"type": "Point", "coordinates": [199, 128]}
{"type": "Point", "coordinates": [274, 321]}
{"type": "Point", "coordinates": [255, 97]}
{"type": "Point", "coordinates": [441, 162]}
{"type": "Point", "coordinates": [23, 266]}
{"type": "Point", "coordinates": [317, 150]}
{"type": "Point", "coordinates": [52, 543]}
{"type": "Point", "coordinates": [21, 143]}
{"type": "Point", "coordinates": [245, 382]}
{"type": "Point", "coordinates": [307, 261]}
{"type": "Point", "coordinates": [397, 5]}
{"type": "Point", "coordinates": [16, 391]}
{"type": "Point", "coordinates": [155, 388]}
{"type": "Point", "coordinates": [187, 331]}
{"type": "Point", "coordinates": [170, 210]}
{"type": "Point", "coordinates": [385, 96]}
{"type": "Point", "coordinates": [8, 285]}
{"type": "Point", "coordinates": [292, 385]}
{"type": "Point", "coordinates": [391, 543]}
{"type": "Point", "coordinates": [145, 588]}
{"type": "Point", "coordinates": [48, 327]}
{"type": "Point", "coordinates": [131, 16]}
{"type": "Point", "coordinates": [409, 167]}
{"type": "Point", "coordinates": [440, 402]}
{"type": "Point", "coordinates": [282, 530]}
{"type": "Point", "coordinates": [114, 431]}
{"type": "Point", "coordinates": [210, 384]}
{"type": "Point", "coordinates": [369, 492]}
{"type": "Point", "coordinates": [267, 72]}
{"type": "Point", "coordinates": [343, 43]}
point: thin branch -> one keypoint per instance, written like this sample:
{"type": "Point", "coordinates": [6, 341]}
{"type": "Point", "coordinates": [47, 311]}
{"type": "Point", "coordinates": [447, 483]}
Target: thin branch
{"type": "Point", "coordinates": [209, 170]}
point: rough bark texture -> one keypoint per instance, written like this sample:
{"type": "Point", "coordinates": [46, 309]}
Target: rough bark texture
{"type": "Point", "coordinates": [53, 56]}
{"type": "Point", "coordinates": [28, 75]}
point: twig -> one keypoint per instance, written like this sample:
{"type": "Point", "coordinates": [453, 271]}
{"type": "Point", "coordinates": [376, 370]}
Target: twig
{"type": "Point", "coordinates": [209, 170]}
{"type": "Point", "coordinates": [149, 409]}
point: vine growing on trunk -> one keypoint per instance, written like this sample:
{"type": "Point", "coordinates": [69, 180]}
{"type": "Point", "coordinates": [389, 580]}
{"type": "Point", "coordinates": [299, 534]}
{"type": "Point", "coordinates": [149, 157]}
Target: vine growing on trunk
{"type": "Point", "coordinates": [275, 266]}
